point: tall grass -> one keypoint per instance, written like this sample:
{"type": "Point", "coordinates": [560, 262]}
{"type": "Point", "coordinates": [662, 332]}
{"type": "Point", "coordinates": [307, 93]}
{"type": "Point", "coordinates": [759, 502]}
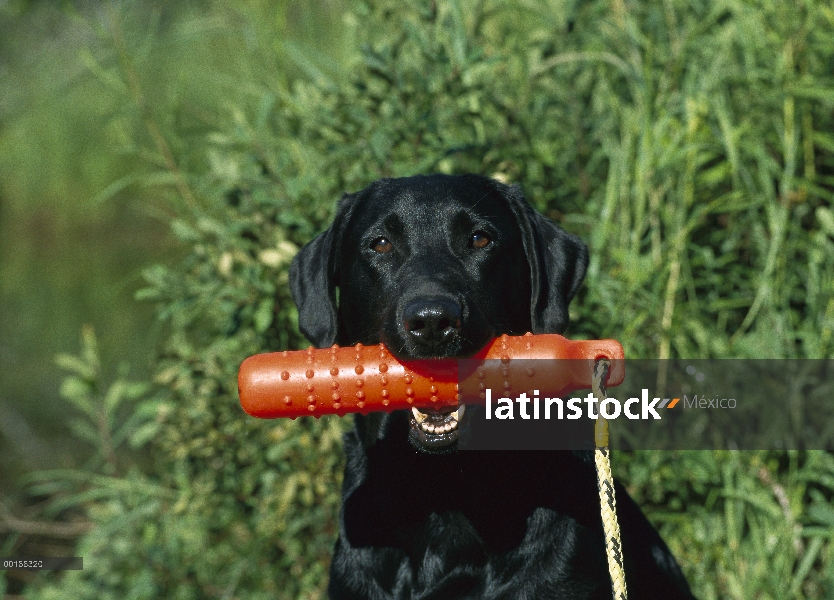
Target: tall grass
{"type": "Point", "coordinates": [688, 142]}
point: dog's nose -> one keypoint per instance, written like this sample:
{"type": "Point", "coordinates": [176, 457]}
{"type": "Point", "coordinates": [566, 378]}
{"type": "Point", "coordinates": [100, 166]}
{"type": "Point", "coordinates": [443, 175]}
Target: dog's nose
{"type": "Point", "coordinates": [432, 321]}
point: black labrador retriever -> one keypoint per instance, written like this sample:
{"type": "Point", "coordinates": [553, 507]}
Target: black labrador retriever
{"type": "Point", "coordinates": [436, 266]}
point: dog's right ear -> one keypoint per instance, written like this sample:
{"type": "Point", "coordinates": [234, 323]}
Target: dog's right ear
{"type": "Point", "coordinates": [314, 275]}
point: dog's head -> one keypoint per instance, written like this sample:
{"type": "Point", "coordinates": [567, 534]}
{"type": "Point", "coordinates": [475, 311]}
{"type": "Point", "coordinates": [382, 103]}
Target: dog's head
{"type": "Point", "coordinates": [434, 266]}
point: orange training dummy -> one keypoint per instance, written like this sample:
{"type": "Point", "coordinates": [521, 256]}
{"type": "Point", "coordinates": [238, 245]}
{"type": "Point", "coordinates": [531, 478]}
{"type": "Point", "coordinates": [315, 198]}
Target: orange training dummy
{"type": "Point", "coordinates": [340, 380]}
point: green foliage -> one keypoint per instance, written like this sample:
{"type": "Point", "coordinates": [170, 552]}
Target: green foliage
{"type": "Point", "coordinates": [687, 142]}
{"type": "Point", "coordinates": [98, 424]}
{"type": "Point", "coordinates": [742, 524]}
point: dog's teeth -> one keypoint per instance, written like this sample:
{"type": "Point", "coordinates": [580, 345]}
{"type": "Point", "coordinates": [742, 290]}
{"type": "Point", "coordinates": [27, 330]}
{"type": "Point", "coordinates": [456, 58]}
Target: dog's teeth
{"type": "Point", "coordinates": [458, 414]}
{"type": "Point", "coordinates": [434, 428]}
{"type": "Point", "coordinates": [418, 416]}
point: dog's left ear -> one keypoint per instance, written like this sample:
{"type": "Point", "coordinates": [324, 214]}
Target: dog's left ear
{"type": "Point", "coordinates": [558, 261]}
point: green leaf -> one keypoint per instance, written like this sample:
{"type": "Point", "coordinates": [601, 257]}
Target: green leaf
{"type": "Point", "coordinates": [143, 434]}
{"type": "Point", "coordinates": [84, 430]}
{"type": "Point", "coordinates": [75, 365]}
{"type": "Point", "coordinates": [79, 393]}
{"type": "Point", "coordinates": [825, 217]}
{"type": "Point", "coordinates": [184, 232]}
{"type": "Point", "coordinates": [264, 314]}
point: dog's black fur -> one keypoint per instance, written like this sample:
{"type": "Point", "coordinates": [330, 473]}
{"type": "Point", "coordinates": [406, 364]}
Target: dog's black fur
{"type": "Point", "coordinates": [435, 266]}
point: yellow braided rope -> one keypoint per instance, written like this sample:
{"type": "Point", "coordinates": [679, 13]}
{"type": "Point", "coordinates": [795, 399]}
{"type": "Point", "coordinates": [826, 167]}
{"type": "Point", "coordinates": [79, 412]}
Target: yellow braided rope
{"type": "Point", "coordinates": [605, 483]}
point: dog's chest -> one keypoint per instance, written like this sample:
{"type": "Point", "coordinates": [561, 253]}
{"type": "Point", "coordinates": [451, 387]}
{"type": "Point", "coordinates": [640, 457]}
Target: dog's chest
{"type": "Point", "coordinates": [468, 532]}
{"type": "Point", "coordinates": [447, 559]}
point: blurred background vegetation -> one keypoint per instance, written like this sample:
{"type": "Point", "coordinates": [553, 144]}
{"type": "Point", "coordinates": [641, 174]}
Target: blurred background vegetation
{"type": "Point", "coordinates": [160, 164]}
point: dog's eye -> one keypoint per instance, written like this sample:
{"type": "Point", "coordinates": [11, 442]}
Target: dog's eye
{"type": "Point", "coordinates": [480, 240]}
{"type": "Point", "coordinates": [381, 245]}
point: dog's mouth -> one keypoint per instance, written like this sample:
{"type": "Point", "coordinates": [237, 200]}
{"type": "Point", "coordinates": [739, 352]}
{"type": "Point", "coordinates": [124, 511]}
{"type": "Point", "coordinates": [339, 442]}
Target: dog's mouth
{"type": "Point", "coordinates": [433, 429]}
